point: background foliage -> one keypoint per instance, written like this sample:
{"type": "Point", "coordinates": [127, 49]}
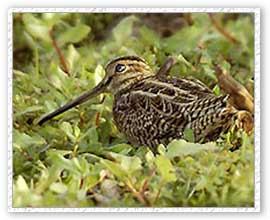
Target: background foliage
{"type": "Point", "coordinates": [79, 159]}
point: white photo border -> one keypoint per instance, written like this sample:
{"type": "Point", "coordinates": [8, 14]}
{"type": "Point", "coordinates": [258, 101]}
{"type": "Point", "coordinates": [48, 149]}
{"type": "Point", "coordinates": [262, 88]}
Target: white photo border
{"type": "Point", "coordinates": [256, 12]}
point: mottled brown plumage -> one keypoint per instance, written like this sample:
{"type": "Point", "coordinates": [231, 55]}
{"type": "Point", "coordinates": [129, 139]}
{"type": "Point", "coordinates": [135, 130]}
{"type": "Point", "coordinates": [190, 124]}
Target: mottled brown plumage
{"type": "Point", "coordinates": [151, 109]}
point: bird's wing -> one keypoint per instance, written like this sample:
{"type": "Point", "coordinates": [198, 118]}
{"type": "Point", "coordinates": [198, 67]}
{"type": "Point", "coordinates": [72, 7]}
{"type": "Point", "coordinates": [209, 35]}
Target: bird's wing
{"type": "Point", "coordinates": [191, 84]}
{"type": "Point", "coordinates": [162, 111]}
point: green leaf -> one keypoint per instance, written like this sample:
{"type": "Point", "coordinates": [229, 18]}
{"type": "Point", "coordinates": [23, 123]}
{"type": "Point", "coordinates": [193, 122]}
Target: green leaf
{"type": "Point", "coordinates": [47, 177]}
{"type": "Point", "coordinates": [202, 183]}
{"type": "Point", "coordinates": [189, 135]}
{"type": "Point", "coordinates": [50, 105]}
{"type": "Point", "coordinates": [52, 19]}
{"type": "Point", "coordinates": [58, 188]}
{"type": "Point", "coordinates": [91, 181]}
{"type": "Point", "coordinates": [149, 37]}
{"type": "Point", "coordinates": [149, 156]}
{"type": "Point", "coordinates": [115, 169]}
{"type": "Point", "coordinates": [73, 34]}
{"type": "Point", "coordinates": [129, 164]}
{"type": "Point", "coordinates": [67, 128]}
{"type": "Point", "coordinates": [23, 140]}
{"type": "Point", "coordinates": [209, 72]}
{"type": "Point", "coordinates": [21, 185]}
{"type": "Point", "coordinates": [182, 59]}
{"type": "Point", "coordinates": [121, 148]}
{"type": "Point", "coordinates": [56, 76]}
{"type": "Point", "coordinates": [124, 29]}
{"type": "Point", "coordinates": [216, 90]}
{"type": "Point", "coordinates": [30, 109]}
{"type": "Point", "coordinates": [30, 40]}
{"type": "Point", "coordinates": [98, 74]}
{"type": "Point", "coordinates": [165, 168]}
{"type": "Point", "coordinates": [183, 148]}
{"type": "Point", "coordinates": [184, 40]}
{"type": "Point", "coordinates": [72, 58]}
{"type": "Point", "coordinates": [36, 27]}
{"type": "Point", "coordinates": [58, 160]}
{"type": "Point", "coordinates": [161, 149]}
{"type": "Point", "coordinates": [77, 131]}
{"type": "Point", "coordinates": [91, 134]}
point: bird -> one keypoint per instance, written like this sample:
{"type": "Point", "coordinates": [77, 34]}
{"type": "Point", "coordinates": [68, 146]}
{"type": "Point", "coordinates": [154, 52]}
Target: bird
{"type": "Point", "coordinates": [155, 108]}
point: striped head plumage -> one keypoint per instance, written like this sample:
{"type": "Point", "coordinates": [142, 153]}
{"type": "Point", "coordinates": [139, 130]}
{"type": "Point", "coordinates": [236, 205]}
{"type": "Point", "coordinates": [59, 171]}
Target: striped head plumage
{"type": "Point", "coordinates": [123, 72]}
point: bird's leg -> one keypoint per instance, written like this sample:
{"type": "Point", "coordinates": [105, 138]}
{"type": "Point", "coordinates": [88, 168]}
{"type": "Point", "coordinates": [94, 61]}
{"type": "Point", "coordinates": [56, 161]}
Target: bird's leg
{"type": "Point", "coordinates": [166, 67]}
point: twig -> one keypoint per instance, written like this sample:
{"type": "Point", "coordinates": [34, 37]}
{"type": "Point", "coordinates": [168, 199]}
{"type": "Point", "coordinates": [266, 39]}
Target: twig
{"type": "Point", "coordinates": [224, 32]}
{"type": "Point", "coordinates": [36, 62]}
{"type": "Point", "coordinates": [138, 195]}
{"type": "Point", "coordinates": [158, 193]}
{"type": "Point", "coordinates": [146, 182]}
{"type": "Point", "coordinates": [82, 182]}
{"type": "Point", "coordinates": [98, 113]}
{"type": "Point", "coordinates": [59, 53]}
{"type": "Point", "coordinates": [188, 18]}
{"type": "Point", "coordinates": [97, 119]}
{"type": "Point", "coordinates": [166, 67]}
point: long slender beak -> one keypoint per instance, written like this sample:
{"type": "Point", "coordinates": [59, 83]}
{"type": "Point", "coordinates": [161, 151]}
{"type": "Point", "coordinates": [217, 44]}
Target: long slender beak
{"type": "Point", "coordinates": [81, 99]}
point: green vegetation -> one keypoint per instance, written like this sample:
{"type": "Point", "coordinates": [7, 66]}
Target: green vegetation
{"type": "Point", "coordinates": [79, 159]}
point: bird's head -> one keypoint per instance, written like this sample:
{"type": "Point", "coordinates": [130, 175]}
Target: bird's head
{"type": "Point", "coordinates": [121, 74]}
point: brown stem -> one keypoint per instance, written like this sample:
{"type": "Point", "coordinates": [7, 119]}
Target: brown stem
{"type": "Point", "coordinates": [188, 18]}
{"type": "Point", "coordinates": [146, 182]}
{"type": "Point", "coordinates": [221, 30]}
{"type": "Point", "coordinates": [98, 113]}
{"type": "Point", "coordinates": [158, 193]}
{"type": "Point", "coordinates": [138, 195]}
{"type": "Point", "coordinates": [82, 121]}
{"type": "Point", "coordinates": [166, 67]}
{"type": "Point", "coordinates": [82, 182]}
{"type": "Point", "coordinates": [97, 119]}
{"type": "Point", "coordinates": [59, 53]}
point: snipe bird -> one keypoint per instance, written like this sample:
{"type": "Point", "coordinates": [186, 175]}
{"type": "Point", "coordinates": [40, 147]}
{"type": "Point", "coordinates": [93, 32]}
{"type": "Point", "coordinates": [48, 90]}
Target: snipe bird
{"type": "Point", "coordinates": [152, 109]}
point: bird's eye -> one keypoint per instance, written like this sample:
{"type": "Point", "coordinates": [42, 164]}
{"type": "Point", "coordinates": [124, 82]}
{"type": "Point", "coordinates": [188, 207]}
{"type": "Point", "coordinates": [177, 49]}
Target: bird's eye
{"type": "Point", "coordinates": [120, 68]}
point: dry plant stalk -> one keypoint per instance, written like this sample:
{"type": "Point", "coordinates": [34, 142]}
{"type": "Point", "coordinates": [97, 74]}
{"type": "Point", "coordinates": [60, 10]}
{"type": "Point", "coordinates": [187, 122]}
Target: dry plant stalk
{"type": "Point", "coordinates": [221, 29]}
{"type": "Point", "coordinates": [59, 53]}
{"type": "Point", "coordinates": [240, 98]}
{"type": "Point", "coordinates": [166, 67]}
